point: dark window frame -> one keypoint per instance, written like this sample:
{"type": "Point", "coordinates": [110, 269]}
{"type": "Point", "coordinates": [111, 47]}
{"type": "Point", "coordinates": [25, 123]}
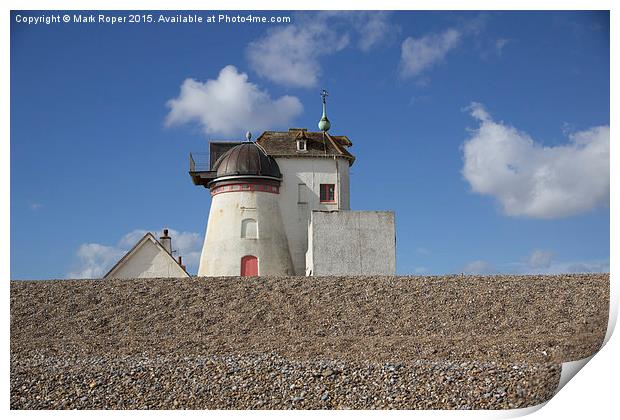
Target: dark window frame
{"type": "Point", "coordinates": [324, 193]}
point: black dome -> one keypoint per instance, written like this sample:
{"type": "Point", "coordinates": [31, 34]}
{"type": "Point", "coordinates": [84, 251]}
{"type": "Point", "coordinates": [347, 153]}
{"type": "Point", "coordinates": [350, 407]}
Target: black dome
{"type": "Point", "coordinates": [246, 159]}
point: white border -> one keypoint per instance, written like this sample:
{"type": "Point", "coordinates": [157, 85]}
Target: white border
{"type": "Point", "coordinates": [591, 393]}
{"type": "Point", "coordinates": [311, 5]}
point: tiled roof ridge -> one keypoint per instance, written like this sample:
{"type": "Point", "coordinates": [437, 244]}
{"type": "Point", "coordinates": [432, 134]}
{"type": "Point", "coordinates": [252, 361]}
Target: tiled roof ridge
{"type": "Point", "coordinates": [282, 144]}
{"type": "Point", "coordinates": [333, 142]}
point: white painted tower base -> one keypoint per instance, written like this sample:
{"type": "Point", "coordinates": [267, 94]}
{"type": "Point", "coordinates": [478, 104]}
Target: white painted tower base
{"type": "Point", "coordinates": [245, 223]}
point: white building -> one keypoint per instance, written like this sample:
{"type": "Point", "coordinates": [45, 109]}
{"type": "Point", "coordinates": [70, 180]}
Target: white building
{"type": "Point", "coordinates": [245, 234]}
{"type": "Point", "coordinates": [149, 258]}
{"type": "Point", "coordinates": [344, 243]}
{"type": "Point", "coordinates": [265, 195]}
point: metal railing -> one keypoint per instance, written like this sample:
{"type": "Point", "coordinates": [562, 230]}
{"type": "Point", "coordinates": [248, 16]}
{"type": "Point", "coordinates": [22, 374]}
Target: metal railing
{"type": "Point", "coordinates": [199, 162]}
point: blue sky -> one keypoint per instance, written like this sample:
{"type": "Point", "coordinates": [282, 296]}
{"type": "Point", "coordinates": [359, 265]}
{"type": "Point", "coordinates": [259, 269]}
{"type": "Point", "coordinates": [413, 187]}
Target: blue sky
{"type": "Point", "coordinates": [486, 132]}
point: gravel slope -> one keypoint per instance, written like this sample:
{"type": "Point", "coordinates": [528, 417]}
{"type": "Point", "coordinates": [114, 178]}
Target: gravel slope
{"type": "Point", "coordinates": [409, 342]}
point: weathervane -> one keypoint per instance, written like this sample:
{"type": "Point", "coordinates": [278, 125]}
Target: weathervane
{"type": "Point", "coordinates": [324, 123]}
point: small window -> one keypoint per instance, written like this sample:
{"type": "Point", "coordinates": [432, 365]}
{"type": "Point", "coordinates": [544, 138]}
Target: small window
{"type": "Point", "coordinates": [249, 229]}
{"type": "Point", "coordinates": [328, 193]}
{"type": "Point", "coordinates": [302, 193]}
{"type": "Point", "coordinates": [301, 146]}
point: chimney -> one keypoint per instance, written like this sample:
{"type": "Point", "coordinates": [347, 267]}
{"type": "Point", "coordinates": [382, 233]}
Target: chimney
{"type": "Point", "coordinates": [166, 241]}
{"type": "Point", "coordinates": [181, 262]}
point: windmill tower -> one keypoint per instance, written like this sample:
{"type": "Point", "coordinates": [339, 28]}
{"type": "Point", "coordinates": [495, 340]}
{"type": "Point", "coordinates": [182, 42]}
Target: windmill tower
{"type": "Point", "coordinates": [245, 234]}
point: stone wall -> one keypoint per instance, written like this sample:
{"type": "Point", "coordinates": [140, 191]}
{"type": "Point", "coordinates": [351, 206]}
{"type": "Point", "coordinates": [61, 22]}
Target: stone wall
{"type": "Point", "coordinates": [351, 243]}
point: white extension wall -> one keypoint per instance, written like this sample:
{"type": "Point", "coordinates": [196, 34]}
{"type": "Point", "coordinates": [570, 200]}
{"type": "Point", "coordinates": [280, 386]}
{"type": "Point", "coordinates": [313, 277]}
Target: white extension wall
{"type": "Point", "coordinates": [352, 243]}
{"type": "Point", "coordinates": [224, 245]}
{"type": "Point", "coordinates": [296, 207]}
{"type": "Point", "coordinates": [148, 261]}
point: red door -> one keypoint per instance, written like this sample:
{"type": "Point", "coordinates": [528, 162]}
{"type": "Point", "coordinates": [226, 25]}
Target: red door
{"type": "Point", "coordinates": [249, 266]}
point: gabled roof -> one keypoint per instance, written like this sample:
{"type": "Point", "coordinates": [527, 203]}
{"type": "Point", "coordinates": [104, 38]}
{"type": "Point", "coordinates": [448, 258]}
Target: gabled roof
{"type": "Point", "coordinates": [147, 237]}
{"type": "Point", "coordinates": [276, 144]}
{"type": "Point", "coordinates": [284, 143]}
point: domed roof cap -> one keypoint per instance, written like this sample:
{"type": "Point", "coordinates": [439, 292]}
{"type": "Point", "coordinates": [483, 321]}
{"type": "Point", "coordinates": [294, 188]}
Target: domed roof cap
{"type": "Point", "coordinates": [246, 159]}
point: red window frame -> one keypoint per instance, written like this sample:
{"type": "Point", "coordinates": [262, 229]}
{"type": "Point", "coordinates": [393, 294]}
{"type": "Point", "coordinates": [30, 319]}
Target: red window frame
{"type": "Point", "coordinates": [327, 196]}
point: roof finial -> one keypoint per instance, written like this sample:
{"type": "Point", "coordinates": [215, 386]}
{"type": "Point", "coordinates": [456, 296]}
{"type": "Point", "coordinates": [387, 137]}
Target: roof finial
{"type": "Point", "coordinates": [248, 135]}
{"type": "Point", "coordinates": [324, 123]}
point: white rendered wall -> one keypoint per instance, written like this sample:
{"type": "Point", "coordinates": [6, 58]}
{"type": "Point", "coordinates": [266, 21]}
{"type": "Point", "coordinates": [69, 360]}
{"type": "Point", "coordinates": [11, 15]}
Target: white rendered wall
{"type": "Point", "coordinates": [312, 172]}
{"type": "Point", "coordinates": [224, 247]}
{"type": "Point", "coordinates": [352, 243]}
{"type": "Point", "coordinates": [149, 261]}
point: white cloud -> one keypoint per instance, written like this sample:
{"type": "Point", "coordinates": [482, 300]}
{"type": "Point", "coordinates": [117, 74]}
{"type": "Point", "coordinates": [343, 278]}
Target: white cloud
{"type": "Point", "coordinates": [478, 267]}
{"type": "Point", "coordinates": [230, 105]}
{"type": "Point", "coordinates": [538, 262]}
{"type": "Point", "coordinates": [419, 54]}
{"type": "Point", "coordinates": [290, 55]}
{"type": "Point", "coordinates": [129, 239]}
{"type": "Point", "coordinates": [492, 47]}
{"type": "Point", "coordinates": [188, 245]}
{"type": "Point", "coordinates": [500, 43]}
{"type": "Point", "coordinates": [476, 25]}
{"type": "Point", "coordinates": [95, 260]}
{"type": "Point", "coordinates": [35, 206]}
{"type": "Point", "coordinates": [374, 28]}
{"type": "Point", "coordinates": [595, 266]}
{"type": "Point", "coordinates": [532, 180]}
{"type": "Point", "coordinates": [370, 28]}
{"type": "Point", "coordinates": [557, 267]}
{"type": "Point", "coordinates": [540, 258]}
